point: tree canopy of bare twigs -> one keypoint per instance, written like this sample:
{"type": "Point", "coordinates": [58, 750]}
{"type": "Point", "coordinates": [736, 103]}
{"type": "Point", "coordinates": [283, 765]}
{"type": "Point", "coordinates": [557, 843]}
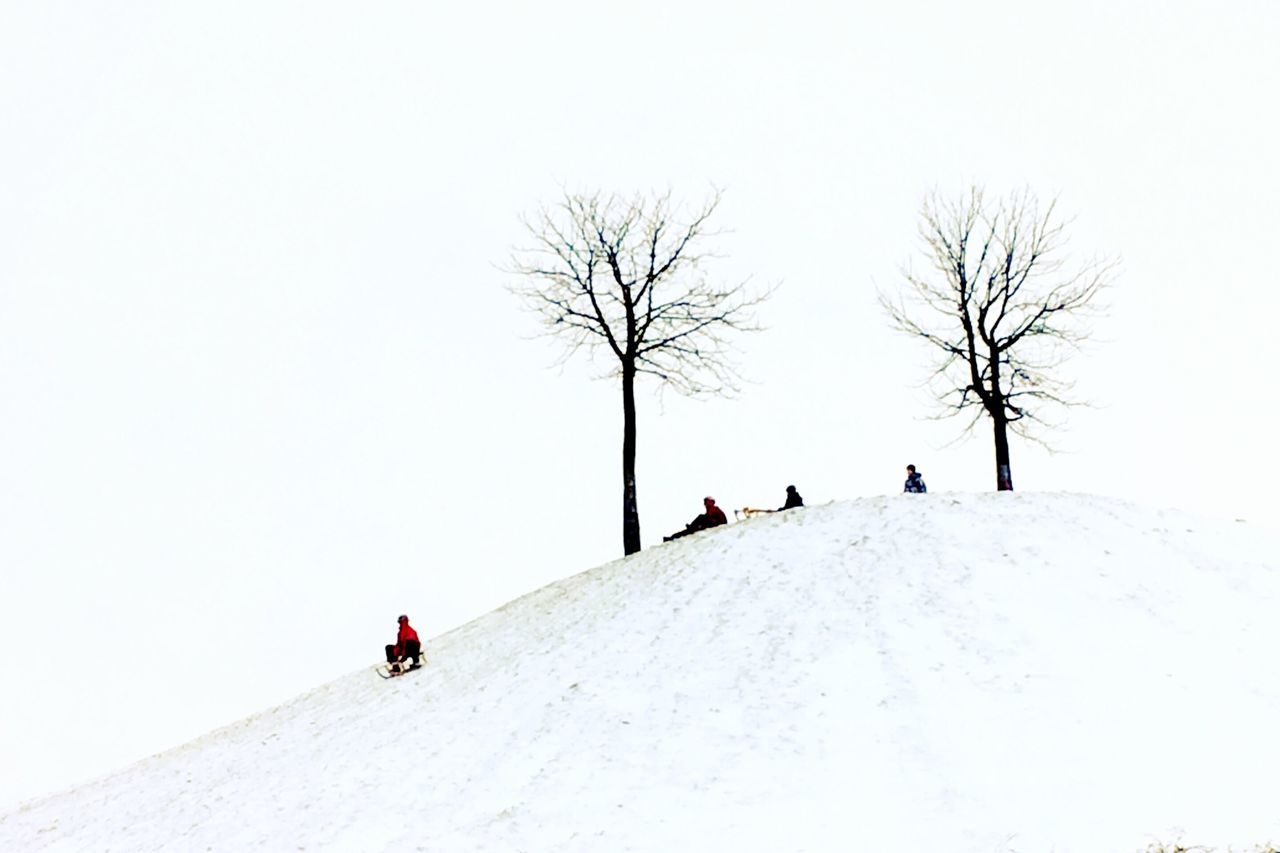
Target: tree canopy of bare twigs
{"type": "Point", "coordinates": [1001, 308]}
{"type": "Point", "coordinates": [625, 278]}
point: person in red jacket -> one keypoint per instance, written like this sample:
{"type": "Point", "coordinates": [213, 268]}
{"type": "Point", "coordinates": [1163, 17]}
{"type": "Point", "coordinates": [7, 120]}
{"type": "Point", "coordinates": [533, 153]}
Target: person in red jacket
{"type": "Point", "coordinates": [713, 516]}
{"type": "Point", "coordinates": [406, 647]}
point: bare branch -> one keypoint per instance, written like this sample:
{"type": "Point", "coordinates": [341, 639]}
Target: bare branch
{"type": "Point", "coordinates": [1000, 309]}
{"type": "Point", "coordinates": [625, 274]}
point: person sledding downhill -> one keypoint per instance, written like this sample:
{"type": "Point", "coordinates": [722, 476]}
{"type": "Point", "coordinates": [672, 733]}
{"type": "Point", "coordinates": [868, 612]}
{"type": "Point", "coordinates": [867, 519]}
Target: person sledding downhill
{"type": "Point", "coordinates": [407, 648]}
{"type": "Point", "coordinates": [713, 516]}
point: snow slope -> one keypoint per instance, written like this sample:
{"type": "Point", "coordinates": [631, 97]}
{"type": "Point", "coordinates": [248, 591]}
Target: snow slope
{"type": "Point", "coordinates": [985, 672]}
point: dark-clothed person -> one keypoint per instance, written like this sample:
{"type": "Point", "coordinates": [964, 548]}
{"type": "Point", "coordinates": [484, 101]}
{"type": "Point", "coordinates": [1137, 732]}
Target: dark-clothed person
{"type": "Point", "coordinates": [793, 499]}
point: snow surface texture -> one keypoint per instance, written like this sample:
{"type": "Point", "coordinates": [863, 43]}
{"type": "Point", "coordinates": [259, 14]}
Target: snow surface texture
{"type": "Point", "coordinates": [986, 672]}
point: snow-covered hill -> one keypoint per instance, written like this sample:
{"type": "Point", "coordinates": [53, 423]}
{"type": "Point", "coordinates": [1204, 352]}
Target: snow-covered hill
{"type": "Point", "coordinates": [946, 672]}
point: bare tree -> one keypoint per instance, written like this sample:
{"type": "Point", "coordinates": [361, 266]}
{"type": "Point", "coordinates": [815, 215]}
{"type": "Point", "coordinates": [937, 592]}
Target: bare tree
{"type": "Point", "coordinates": [1002, 309]}
{"type": "Point", "coordinates": [624, 277]}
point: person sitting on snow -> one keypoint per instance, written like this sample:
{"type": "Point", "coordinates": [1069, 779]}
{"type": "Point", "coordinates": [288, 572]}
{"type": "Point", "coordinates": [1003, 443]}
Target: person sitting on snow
{"type": "Point", "coordinates": [713, 517]}
{"type": "Point", "coordinates": [406, 647]}
{"type": "Point", "coordinates": [915, 483]}
{"type": "Point", "coordinates": [793, 499]}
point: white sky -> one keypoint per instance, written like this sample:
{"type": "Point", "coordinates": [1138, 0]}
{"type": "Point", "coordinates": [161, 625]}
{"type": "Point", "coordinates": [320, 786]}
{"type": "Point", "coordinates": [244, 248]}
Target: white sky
{"type": "Point", "coordinates": [261, 388]}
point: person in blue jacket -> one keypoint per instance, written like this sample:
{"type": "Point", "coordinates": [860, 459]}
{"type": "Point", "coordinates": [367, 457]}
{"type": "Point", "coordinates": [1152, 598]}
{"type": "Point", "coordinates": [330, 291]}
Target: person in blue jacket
{"type": "Point", "coordinates": [915, 483]}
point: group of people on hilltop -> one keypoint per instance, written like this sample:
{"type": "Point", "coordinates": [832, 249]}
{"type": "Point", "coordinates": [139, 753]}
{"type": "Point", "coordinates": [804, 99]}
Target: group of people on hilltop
{"type": "Point", "coordinates": [713, 516]}
{"type": "Point", "coordinates": [405, 654]}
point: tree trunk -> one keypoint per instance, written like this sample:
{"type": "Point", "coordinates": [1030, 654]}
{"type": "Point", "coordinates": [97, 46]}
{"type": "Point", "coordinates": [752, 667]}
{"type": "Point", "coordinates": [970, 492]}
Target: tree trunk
{"type": "Point", "coordinates": [995, 408]}
{"type": "Point", "coordinates": [630, 509]}
{"type": "Point", "coordinates": [1004, 474]}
